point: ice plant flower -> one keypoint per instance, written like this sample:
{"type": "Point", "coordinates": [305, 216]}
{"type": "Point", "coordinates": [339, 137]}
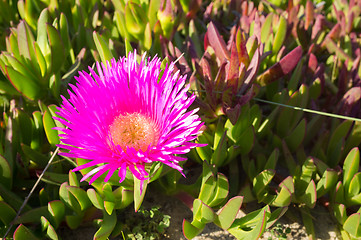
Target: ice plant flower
{"type": "Point", "coordinates": [126, 117]}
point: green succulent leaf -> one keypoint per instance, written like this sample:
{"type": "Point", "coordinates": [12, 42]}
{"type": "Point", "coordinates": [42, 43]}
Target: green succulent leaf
{"type": "Point", "coordinates": [189, 230]}
{"type": "Point", "coordinates": [353, 225]}
{"type": "Point", "coordinates": [6, 176]}
{"type": "Point", "coordinates": [327, 182]}
{"type": "Point", "coordinates": [266, 28]}
{"type": "Point", "coordinates": [7, 213]}
{"type": "Point", "coordinates": [50, 231]}
{"type": "Point", "coordinates": [49, 124]}
{"type": "Point", "coordinates": [23, 232]}
{"type": "Point", "coordinates": [74, 221]}
{"type": "Point", "coordinates": [350, 167]}
{"type": "Point", "coordinates": [335, 144]}
{"type": "Point", "coordinates": [95, 198]}
{"type": "Point", "coordinates": [221, 190]}
{"type": "Point", "coordinates": [280, 35]}
{"type": "Point", "coordinates": [250, 226]}
{"type": "Point", "coordinates": [308, 222]}
{"type": "Point", "coordinates": [310, 195]}
{"type": "Point", "coordinates": [107, 226]}
{"type": "Point", "coordinates": [283, 198]}
{"type": "Point", "coordinates": [207, 190]}
{"type": "Point", "coordinates": [33, 215]}
{"type": "Point", "coordinates": [228, 212]}
{"type": "Point", "coordinates": [81, 196]}
{"type": "Point", "coordinates": [339, 211]}
{"type": "Point", "coordinates": [202, 212]}
{"type": "Point", "coordinates": [56, 47]}
{"type": "Point", "coordinates": [12, 198]}
{"type": "Point", "coordinates": [295, 138]}
{"type": "Point", "coordinates": [24, 84]}
{"type": "Point", "coordinates": [140, 188]}
{"type": "Point", "coordinates": [261, 181]}
{"type": "Point", "coordinates": [57, 210]}
{"type": "Point", "coordinates": [102, 47]}
{"type": "Point", "coordinates": [42, 36]}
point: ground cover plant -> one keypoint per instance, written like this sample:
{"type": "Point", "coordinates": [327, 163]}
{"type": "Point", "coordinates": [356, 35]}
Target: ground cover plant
{"type": "Point", "coordinates": [263, 95]}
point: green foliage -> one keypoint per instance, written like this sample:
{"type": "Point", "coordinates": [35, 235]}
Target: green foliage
{"type": "Point", "coordinates": [305, 55]}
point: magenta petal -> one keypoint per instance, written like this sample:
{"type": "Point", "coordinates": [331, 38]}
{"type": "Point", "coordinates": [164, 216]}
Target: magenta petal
{"type": "Point", "coordinates": [122, 88]}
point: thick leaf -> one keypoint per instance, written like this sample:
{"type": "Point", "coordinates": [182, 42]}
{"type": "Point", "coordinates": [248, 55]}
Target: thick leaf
{"type": "Point", "coordinates": [339, 211]}
{"type": "Point", "coordinates": [12, 199]}
{"type": "Point", "coordinates": [308, 171]}
{"type": "Point", "coordinates": [53, 178]}
{"type": "Point", "coordinates": [189, 230]}
{"type": "Point", "coordinates": [261, 181]}
{"type": "Point", "coordinates": [24, 84]}
{"type": "Point", "coordinates": [38, 158]}
{"type": "Point", "coordinates": [121, 26]}
{"type": "Point", "coordinates": [350, 167]}
{"type": "Point", "coordinates": [49, 124]}
{"type": "Point", "coordinates": [202, 213]}
{"type": "Point", "coordinates": [310, 195]}
{"type": "Point", "coordinates": [23, 232]}
{"type": "Point", "coordinates": [327, 182]}
{"type": "Point", "coordinates": [353, 225]}
{"type": "Point", "coordinates": [6, 176]}
{"type": "Point", "coordinates": [135, 19]}
{"type": "Point", "coordinates": [33, 215]}
{"type": "Point", "coordinates": [7, 213]}
{"type": "Point", "coordinates": [25, 41]}
{"type": "Point", "coordinates": [81, 196]}
{"type": "Point", "coordinates": [95, 198]}
{"type": "Point", "coordinates": [102, 47]}
{"type": "Point", "coordinates": [106, 227]}
{"type": "Point", "coordinates": [109, 207]}
{"type": "Point", "coordinates": [246, 141]}
{"type": "Point", "coordinates": [74, 221]}
{"type": "Point", "coordinates": [339, 194]}
{"type": "Point", "coordinates": [333, 48]}
{"type": "Point", "coordinates": [228, 212]}
{"type": "Point", "coordinates": [295, 77]}
{"type": "Point", "coordinates": [240, 231]}
{"type": "Point", "coordinates": [355, 185]}
{"type": "Point", "coordinates": [280, 35]}
{"type": "Point", "coordinates": [281, 68]}
{"type": "Point", "coordinates": [207, 190]}
{"type": "Point", "coordinates": [57, 210]}
{"type": "Point", "coordinates": [241, 48]}
{"type": "Point", "coordinates": [308, 222]}
{"type": "Point", "coordinates": [283, 198]}
{"type": "Point", "coordinates": [272, 160]}
{"type": "Point", "coordinates": [50, 231]}
{"type": "Point", "coordinates": [140, 188]}
{"type": "Point", "coordinates": [57, 49]}
{"type": "Point", "coordinates": [215, 40]}
{"type": "Point", "coordinates": [69, 200]}
{"type": "Point", "coordinates": [221, 190]}
{"type": "Point", "coordinates": [294, 140]}
{"type": "Point", "coordinates": [338, 136]}
{"type": "Point", "coordinates": [266, 28]}
{"type": "Point", "coordinates": [40, 59]}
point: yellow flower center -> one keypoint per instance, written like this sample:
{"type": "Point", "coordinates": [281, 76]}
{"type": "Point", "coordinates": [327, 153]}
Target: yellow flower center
{"type": "Point", "coordinates": [133, 130]}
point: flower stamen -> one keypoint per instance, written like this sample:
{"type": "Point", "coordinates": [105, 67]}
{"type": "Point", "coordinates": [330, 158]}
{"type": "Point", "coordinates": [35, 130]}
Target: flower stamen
{"type": "Point", "coordinates": [133, 130]}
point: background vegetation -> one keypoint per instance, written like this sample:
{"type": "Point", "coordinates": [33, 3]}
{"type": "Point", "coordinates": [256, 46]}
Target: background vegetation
{"type": "Point", "coordinates": [277, 83]}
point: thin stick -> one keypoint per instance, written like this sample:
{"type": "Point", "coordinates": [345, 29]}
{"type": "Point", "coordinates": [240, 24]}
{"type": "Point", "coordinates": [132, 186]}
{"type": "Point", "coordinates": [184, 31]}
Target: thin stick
{"type": "Point", "coordinates": [297, 108]}
{"type": "Point", "coordinates": [31, 192]}
{"type": "Point", "coordinates": [310, 110]}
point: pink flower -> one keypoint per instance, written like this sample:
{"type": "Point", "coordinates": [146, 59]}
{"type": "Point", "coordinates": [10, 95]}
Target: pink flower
{"type": "Point", "coordinates": [126, 117]}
